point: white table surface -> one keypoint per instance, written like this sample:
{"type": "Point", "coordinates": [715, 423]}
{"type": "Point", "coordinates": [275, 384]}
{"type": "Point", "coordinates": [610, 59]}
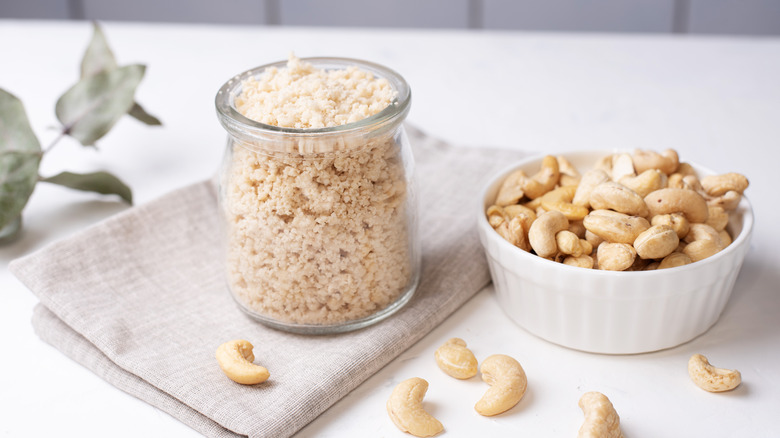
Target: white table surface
{"type": "Point", "coordinates": [716, 100]}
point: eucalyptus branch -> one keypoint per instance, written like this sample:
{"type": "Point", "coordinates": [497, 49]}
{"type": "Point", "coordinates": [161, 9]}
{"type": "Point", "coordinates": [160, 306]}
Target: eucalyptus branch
{"type": "Point", "coordinates": [87, 111]}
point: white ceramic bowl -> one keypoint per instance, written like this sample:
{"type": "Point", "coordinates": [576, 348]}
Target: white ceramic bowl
{"type": "Point", "coordinates": [604, 311]}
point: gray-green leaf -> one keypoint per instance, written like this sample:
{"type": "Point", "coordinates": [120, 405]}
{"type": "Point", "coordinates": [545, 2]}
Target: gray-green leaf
{"type": "Point", "coordinates": [98, 57]}
{"type": "Point", "coordinates": [99, 182]}
{"type": "Point", "coordinates": [91, 107]}
{"type": "Point", "coordinates": [20, 155]}
{"type": "Point", "coordinates": [138, 112]}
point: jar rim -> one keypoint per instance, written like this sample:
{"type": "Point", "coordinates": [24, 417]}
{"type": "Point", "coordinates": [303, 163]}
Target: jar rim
{"type": "Point", "coordinates": [233, 120]}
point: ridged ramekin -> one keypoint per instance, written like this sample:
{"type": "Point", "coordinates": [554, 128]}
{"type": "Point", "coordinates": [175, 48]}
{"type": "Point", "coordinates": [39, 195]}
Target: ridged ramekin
{"type": "Point", "coordinates": [604, 311]}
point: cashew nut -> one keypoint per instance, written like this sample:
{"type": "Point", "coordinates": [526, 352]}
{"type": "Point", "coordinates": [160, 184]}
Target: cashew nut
{"type": "Point", "coordinates": [544, 180]}
{"type": "Point", "coordinates": [666, 162]}
{"type": "Point", "coordinates": [725, 238]}
{"type": "Point", "coordinates": [560, 200]}
{"type": "Point", "coordinates": [511, 190]}
{"type": "Point", "coordinates": [712, 379]}
{"type": "Point", "coordinates": [456, 360]}
{"type": "Point", "coordinates": [568, 243]}
{"type": "Point", "coordinates": [717, 185]}
{"type": "Point", "coordinates": [728, 201]}
{"type": "Point", "coordinates": [614, 227]}
{"type": "Point", "coordinates": [589, 181]}
{"type": "Point", "coordinates": [677, 221]}
{"type": "Point", "coordinates": [569, 176]}
{"type": "Point", "coordinates": [495, 216]}
{"type": "Point", "coordinates": [656, 242]}
{"type": "Point", "coordinates": [646, 182]}
{"type": "Point", "coordinates": [593, 239]}
{"type": "Point", "coordinates": [622, 166]}
{"type": "Point", "coordinates": [615, 196]}
{"type": "Point", "coordinates": [405, 409]}
{"type": "Point", "coordinates": [543, 231]}
{"type": "Point", "coordinates": [577, 228]}
{"type": "Point", "coordinates": [235, 358]}
{"type": "Point", "coordinates": [718, 218]}
{"type": "Point", "coordinates": [507, 382]}
{"type": "Point", "coordinates": [703, 241]}
{"type": "Point", "coordinates": [615, 256]}
{"type": "Point", "coordinates": [583, 261]}
{"type": "Point", "coordinates": [601, 419]}
{"type": "Point", "coordinates": [514, 233]}
{"type": "Point", "coordinates": [526, 215]}
{"type": "Point", "coordinates": [687, 202]}
{"type": "Point", "coordinates": [674, 260]}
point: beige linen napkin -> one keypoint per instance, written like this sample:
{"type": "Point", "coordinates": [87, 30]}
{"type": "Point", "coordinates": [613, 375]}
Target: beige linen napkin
{"type": "Point", "coordinates": [140, 300]}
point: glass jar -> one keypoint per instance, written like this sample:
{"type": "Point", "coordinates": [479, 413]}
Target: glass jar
{"type": "Point", "coordinates": [320, 225]}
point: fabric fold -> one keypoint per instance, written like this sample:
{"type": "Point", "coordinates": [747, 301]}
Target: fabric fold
{"type": "Point", "coordinates": [140, 300]}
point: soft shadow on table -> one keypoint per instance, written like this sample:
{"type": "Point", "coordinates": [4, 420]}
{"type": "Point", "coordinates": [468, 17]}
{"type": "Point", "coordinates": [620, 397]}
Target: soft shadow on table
{"type": "Point", "coordinates": [60, 222]}
{"type": "Point", "coordinates": [749, 321]}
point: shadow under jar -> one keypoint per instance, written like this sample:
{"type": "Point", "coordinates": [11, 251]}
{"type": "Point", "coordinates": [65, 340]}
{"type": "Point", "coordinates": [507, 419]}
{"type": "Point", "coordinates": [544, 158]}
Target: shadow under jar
{"type": "Point", "coordinates": [319, 224]}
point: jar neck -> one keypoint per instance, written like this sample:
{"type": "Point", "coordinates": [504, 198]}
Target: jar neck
{"type": "Point", "coordinates": [265, 138]}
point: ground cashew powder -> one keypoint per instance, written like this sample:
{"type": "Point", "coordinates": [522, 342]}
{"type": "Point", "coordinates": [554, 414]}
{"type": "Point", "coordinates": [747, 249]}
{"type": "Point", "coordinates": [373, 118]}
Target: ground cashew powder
{"type": "Point", "coordinates": [317, 240]}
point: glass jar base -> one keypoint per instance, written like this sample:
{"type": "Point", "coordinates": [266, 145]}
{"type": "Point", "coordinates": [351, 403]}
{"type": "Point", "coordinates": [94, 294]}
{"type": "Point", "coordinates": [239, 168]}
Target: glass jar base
{"type": "Point", "coordinates": [328, 329]}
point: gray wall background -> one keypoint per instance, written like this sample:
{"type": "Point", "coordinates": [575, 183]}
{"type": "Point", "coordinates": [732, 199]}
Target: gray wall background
{"type": "Point", "coordinates": [738, 17]}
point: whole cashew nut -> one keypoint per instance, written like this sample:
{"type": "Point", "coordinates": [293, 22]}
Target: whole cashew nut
{"type": "Point", "coordinates": [674, 260]}
{"type": "Point", "coordinates": [405, 409]}
{"type": "Point", "coordinates": [717, 185]}
{"type": "Point", "coordinates": [568, 243]}
{"type": "Point", "coordinates": [507, 382]}
{"type": "Point", "coordinates": [583, 261]}
{"type": "Point", "coordinates": [622, 166]}
{"type": "Point", "coordinates": [456, 360]}
{"type": "Point", "coordinates": [544, 180]}
{"type": "Point", "coordinates": [589, 181]}
{"type": "Point", "coordinates": [677, 221]}
{"type": "Point", "coordinates": [614, 227]}
{"type": "Point", "coordinates": [514, 233]}
{"type": "Point", "coordinates": [615, 196]}
{"type": "Point", "coordinates": [656, 242]}
{"type": "Point", "coordinates": [569, 175]}
{"type": "Point", "coordinates": [687, 202]}
{"type": "Point", "coordinates": [666, 162]}
{"type": "Point", "coordinates": [615, 256]}
{"type": "Point", "coordinates": [703, 241]}
{"type": "Point", "coordinates": [495, 216]}
{"type": "Point", "coordinates": [526, 215]}
{"type": "Point", "coordinates": [511, 190]}
{"type": "Point", "coordinates": [646, 182]}
{"type": "Point", "coordinates": [235, 358]}
{"type": "Point", "coordinates": [560, 199]}
{"type": "Point", "coordinates": [601, 419]}
{"type": "Point", "coordinates": [712, 379]}
{"type": "Point", "coordinates": [543, 231]}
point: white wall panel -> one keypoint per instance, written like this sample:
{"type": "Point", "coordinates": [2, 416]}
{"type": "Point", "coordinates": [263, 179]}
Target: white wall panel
{"type": "Point", "coordinates": [47, 9]}
{"type": "Point", "coordinates": [189, 11]}
{"type": "Point", "coordinates": [580, 15]}
{"type": "Point", "coordinates": [375, 13]}
{"type": "Point", "coordinates": [746, 17]}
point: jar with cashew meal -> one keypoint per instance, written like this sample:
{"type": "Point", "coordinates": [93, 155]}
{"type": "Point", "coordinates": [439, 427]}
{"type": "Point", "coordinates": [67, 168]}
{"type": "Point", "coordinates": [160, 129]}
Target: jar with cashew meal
{"type": "Point", "coordinates": [316, 194]}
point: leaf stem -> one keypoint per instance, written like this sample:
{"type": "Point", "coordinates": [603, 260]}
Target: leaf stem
{"type": "Point", "coordinates": [62, 133]}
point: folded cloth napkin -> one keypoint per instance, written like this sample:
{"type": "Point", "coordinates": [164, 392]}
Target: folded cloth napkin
{"type": "Point", "coordinates": [140, 300]}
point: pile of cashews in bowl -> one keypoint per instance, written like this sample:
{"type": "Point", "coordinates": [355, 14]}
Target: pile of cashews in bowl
{"type": "Point", "coordinates": [640, 211]}
{"type": "Point", "coordinates": [628, 215]}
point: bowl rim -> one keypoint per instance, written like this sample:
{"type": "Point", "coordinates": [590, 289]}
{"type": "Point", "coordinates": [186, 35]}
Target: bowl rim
{"type": "Point", "coordinates": [745, 208]}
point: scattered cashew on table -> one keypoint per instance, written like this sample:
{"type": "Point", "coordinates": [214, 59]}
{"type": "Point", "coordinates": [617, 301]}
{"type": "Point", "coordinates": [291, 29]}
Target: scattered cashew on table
{"type": "Point", "coordinates": [710, 378]}
{"type": "Point", "coordinates": [631, 212]}
{"type": "Point", "coordinates": [405, 409]}
{"type": "Point", "coordinates": [235, 358]}
{"type": "Point", "coordinates": [601, 419]}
